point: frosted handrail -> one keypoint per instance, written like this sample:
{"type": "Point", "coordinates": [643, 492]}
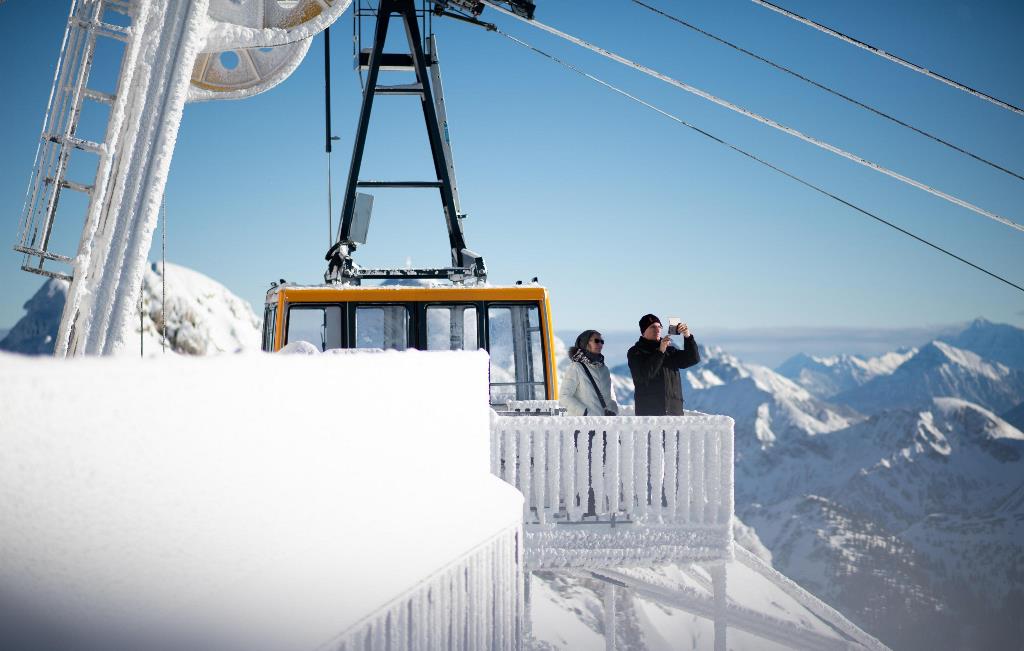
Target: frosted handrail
{"type": "Point", "coordinates": [670, 470]}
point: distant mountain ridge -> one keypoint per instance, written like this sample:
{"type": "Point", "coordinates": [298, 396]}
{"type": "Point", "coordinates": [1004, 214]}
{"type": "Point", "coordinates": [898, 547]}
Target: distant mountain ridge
{"type": "Point", "coordinates": [828, 376]}
{"type": "Point", "coordinates": [939, 369]}
{"type": "Point", "coordinates": [995, 342]}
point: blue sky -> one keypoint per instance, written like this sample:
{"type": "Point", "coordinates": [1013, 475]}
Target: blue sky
{"type": "Point", "coordinates": [616, 209]}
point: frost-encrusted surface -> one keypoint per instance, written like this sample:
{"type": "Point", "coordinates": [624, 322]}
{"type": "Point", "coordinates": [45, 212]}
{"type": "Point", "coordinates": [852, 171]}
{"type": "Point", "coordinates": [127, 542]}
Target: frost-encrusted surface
{"type": "Point", "coordinates": [270, 500]}
{"type": "Point", "coordinates": [643, 489]}
{"type": "Point", "coordinates": [265, 23]}
{"type": "Point", "coordinates": [595, 546]}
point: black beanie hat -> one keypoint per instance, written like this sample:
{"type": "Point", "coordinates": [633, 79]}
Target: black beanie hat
{"type": "Point", "coordinates": [646, 321]}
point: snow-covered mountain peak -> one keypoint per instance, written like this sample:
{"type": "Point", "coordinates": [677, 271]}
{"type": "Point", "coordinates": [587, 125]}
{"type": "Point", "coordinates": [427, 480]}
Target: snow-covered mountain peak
{"type": "Point", "coordinates": [828, 376]}
{"type": "Point", "coordinates": [976, 419]}
{"type": "Point", "coordinates": [945, 426]}
{"type": "Point", "coordinates": [202, 317]}
{"type": "Point", "coordinates": [965, 358]}
{"type": "Point", "coordinates": [939, 369]}
{"type": "Point", "coordinates": [35, 333]}
{"type": "Point", "coordinates": [999, 342]}
{"type": "Point", "coordinates": [771, 382]}
{"type": "Point", "coordinates": [889, 362]}
{"type": "Point", "coordinates": [724, 367]}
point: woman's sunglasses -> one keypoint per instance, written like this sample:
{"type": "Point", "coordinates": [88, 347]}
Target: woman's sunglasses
{"type": "Point", "coordinates": [598, 341]}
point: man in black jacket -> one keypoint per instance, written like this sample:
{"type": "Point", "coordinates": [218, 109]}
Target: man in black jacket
{"type": "Point", "coordinates": [655, 363]}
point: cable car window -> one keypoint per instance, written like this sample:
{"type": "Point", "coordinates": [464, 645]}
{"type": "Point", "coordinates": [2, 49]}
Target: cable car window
{"type": "Point", "coordinates": [320, 325]}
{"type": "Point", "coordinates": [382, 326]}
{"type": "Point", "coordinates": [451, 327]}
{"type": "Point", "coordinates": [517, 354]}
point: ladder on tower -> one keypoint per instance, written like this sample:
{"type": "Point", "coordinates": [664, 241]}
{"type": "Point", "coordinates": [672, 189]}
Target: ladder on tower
{"type": "Point", "coordinates": [61, 147]}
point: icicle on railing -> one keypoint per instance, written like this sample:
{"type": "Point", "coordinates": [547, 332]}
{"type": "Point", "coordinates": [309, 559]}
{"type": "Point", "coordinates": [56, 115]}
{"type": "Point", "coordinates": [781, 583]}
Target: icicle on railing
{"type": "Point", "coordinates": [475, 603]}
{"type": "Point", "coordinates": [671, 470]}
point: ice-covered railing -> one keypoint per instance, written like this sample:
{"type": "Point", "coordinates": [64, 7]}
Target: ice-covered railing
{"type": "Point", "coordinates": [475, 603]}
{"type": "Point", "coordinates": [654, 486]}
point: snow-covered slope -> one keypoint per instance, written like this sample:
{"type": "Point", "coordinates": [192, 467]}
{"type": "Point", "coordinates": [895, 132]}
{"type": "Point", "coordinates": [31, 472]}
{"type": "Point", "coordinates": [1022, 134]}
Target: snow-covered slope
{"type": "Point", "coordinates": [826, 376]}
{"type": "Point", "coordinates": [203, 317]}
{"type": "Point", "coordinates": [894, 512]}
{"type": "Point", "coordinates": [939, 369]}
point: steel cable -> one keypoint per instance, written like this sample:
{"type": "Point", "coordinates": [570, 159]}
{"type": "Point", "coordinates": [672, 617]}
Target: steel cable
{"type": "Point", "coordinates": [765, 120]}
{"type": "Point", "coordinates": [825, 88]}
{"type": "Point", "coordinates": [808, 184]}
{"type": "Point", "coordinates": [890, 57]}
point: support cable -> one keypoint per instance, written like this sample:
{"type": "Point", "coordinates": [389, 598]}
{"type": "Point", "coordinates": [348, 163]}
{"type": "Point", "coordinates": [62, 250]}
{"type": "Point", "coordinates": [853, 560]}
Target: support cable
{"type": "Point", "coordinates": [890, 57]}
{"type": "Point", "coordinates": [825, 88]}
{"type": "Point", "coordinates": [764, 120]}
{"type": "Point", "coordinates": [808, 184]}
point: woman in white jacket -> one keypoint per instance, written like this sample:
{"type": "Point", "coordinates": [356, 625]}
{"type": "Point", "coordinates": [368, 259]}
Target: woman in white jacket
{"type": "Point", "coordinates": [577, 393]}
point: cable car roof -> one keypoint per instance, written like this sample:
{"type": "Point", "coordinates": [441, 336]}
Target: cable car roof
{"type": "Point", "coordinates": [398, 293]}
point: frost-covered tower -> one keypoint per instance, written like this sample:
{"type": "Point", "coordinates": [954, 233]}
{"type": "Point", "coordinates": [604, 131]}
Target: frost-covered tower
{"type": "Point", "coordinates": [95, 227]}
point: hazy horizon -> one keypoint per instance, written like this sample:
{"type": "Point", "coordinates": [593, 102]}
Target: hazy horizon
{"type": "Point", "coordinates": [772, 346]}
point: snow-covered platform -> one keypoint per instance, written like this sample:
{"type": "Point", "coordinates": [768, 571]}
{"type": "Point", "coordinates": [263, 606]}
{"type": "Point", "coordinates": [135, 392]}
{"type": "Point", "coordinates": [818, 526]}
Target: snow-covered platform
{"type": "Point", "coordinates": [629, 538]}
{"type": "Point", "coordinates": [258, 501]}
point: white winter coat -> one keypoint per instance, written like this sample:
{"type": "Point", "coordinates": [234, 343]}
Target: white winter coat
{"type": "Point", "coordinates": [576, 392]}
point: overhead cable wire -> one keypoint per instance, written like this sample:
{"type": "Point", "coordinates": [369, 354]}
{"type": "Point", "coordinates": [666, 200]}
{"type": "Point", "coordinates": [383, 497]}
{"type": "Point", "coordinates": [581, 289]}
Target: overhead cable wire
{"type": "Point", "coordinates": [825, 88]}
{"type": "Point", "coordinates": [794, 177]}
{"type": "Point", "coordinates": [890, 57]}
{"type": "Point", "coordinates": [765, 120]}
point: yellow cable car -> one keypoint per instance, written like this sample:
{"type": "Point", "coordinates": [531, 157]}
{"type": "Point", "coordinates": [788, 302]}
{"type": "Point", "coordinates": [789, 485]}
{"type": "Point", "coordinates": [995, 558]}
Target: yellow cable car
{"type": "Point", "coordinates": [512, 323]}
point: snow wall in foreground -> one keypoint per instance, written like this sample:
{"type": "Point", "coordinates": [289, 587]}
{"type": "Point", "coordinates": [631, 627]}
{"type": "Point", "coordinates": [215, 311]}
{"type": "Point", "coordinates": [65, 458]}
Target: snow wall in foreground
{"type": "Point", "coordinates": [252, 501]}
